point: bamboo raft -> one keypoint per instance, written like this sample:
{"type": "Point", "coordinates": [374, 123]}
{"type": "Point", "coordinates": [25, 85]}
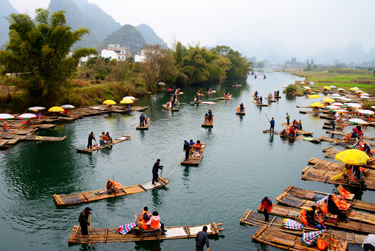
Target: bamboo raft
{"type": "Point", "coordinates": [197, 102]}
{"type": "Point", "coordinates": [327, 116]}
{"type": "Point", "coordinates": [277, 97]}
{"type": "Point", "coordinates": [146, 125]}
{"type": "Point", "coordinates": [305, 203]}
{"type": "Point", "coordinates": [342, 142]}
{"type": "Point", "coordinates": [313, 140]}
{"type": "Point", "coordinates": [192, 159]}
{"type": "Point", "coordinates": [261, 104]}
{"type": "Point", "coordinates": [293, 213]}
{"type": "Point", "coordinates": [272, 100]}
{"type": "Point", "coordinates": [326, 177]}
{"type": "Point", "coordinates": [85, 197]}
{"type": "Point", "coordinates": [208, 124]}
{"type": "Point", "coordinates": [222, 98]}
{"type": "Point", "coordinates": [343, 134]}
{"type": "Point", "coordinates": [180, 93]}
{"type": "Point", "coordinates": [315, 161]}
{"type": "Point", "coordinates": [255, 219]}
{"type": "Point", "coordinates": [171, 109]}
{"type": "Point", "coordinates": [279, 239]}
{"type": "Point", "coordinates": [299, 131]}
{"type": "Point", "coordinates": [240, 113]}
{"type": "Point", "coordinates": [329, 127]}
{"type": "Point", "coordinates": [114, 142]}
{"type": "Point", "coordinates": [303, 106]}
{"type": "Point", "coordinates": [30, 137]}
{"type": "Point", "coordinates": [292, 192]}
{"type": "Point", "coordinates": [305, 112]}
{"type": "Point", "coordinates": [110, 235]}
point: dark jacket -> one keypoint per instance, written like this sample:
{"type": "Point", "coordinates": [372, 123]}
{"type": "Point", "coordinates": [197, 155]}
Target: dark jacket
{"type": "Point", "coordinates": [142, 118]}
{"type": "Point", "coordinates": [332, 206]}
{"type": "Point", "coordinates": [210, 113]}
{"type": "Point", "coordinates": [201, 239]}
{"type": "Point", "coordinates": [83, 217]}
{"type": "Point", "coordinates": [91, 137]}
{"type": "Point", "coordinates": [310, 218]}
{"type": "Point", "coordinates": [272, 122]}
{"type": "Point", "coordinates": [156, 167]}
{"type": "Point", "coordinates": [186, 146]}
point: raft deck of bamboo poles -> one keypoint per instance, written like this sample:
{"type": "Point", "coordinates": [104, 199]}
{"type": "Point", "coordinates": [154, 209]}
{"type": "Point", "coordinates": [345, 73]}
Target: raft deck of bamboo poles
{"type": "Point", "coordinates": [192, 160]}
{"type": "Point", "coordinates": [114, 142]}
{"type": "Point", "coordinates": [110, 235]}
{"type": "Point", "coordinates": [85, 197]}
{"type": "Point", "coordinates": [145, 126]}
{"type": "Point", "coordinates": [313, 140]}
{"type": "Point", "coordinates": [208, 124]}
{"type": "Point", "coordinates": [303, 132]}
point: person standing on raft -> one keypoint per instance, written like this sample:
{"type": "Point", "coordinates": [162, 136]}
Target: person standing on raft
{"type": "Point", "coordinates": [287, 118]}
{"type": "Point", "coordinates": [83, 220]}
{"type": "Point", "coordinates": [186, 150]}
{"type": "Point", "coordinates": [201, 240]}
{"type": "Point", "coordinates": [142, 120]}
{"type": "Point", "coordinates": [272, 125]}
{"type": "Point", "coordinates": [266, 206]}
{"type": "Point", "coordinates": [155, 170]}
{"type": "Point", "coordinates": [91, 137]}
{"type": "Point", "coordinates": [209, 115]}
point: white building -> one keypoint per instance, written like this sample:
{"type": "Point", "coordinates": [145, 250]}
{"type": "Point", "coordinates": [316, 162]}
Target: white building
{"type": "Point", "coordinates": [140, 58]}
{"type": "Point", "coordinates": [115, 51]}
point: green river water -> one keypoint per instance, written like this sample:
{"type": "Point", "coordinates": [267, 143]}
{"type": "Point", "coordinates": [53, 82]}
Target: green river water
{"type": "Point", "coordinates": [239, 167]}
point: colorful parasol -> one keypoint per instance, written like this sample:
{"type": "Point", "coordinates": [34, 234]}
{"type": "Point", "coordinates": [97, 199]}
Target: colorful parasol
{"type": "Point", "coordinates": [127, 101]}
{"type": "Point", "coordinates": [310, 238]}
{"type": "Point", "coordinates": [36, 108]}
{"type": "Point", "coordinates": [354, 105]}
{"type": "Point", "coordinates": [67, 106]}
{"type": "Point", "coordinates": [109, 102]}
{"type": "Point", "coordinates": [329, 100]}
{"type": "Point", "coordinates": [56, 109]}
{"type": "Point", "coordinates": [352, 157]}
{"type": "Point", "coordinates": [314, 96]}
{"type": "Point", "coordinates": [358, 121]}
{"type": "Point", "coordinates": [317, 104]}
{"type": "Point", "coordinates": [27, 116]}
{"type": "Point", "coordinates": [5, 116]}
{"type": "Point", "coordinates": [327, 87]}
{"type": "Point", "coordinates": [366, 112]}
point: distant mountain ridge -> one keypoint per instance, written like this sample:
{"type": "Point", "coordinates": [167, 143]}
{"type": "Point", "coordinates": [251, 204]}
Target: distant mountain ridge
{"type": "Point", "coordinates": [149, 35]}
{"type": "Point", "coordinates": [5, 10]}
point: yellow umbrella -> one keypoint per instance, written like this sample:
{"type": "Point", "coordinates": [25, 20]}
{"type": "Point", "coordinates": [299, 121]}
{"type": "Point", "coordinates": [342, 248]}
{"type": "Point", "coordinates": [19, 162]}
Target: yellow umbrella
{"type": "Point", "coordinates": [314, 96]}
{"type": "Point", "coordinates": [56, 109]}
{"type": "Point", "coordinates": [354, 88]}
{"type": "Point", "coordinates": [109, 102]}
{"type": "Point", "coordinates": [352, 157]}
{"type": "Point", "coordinates": [329, 100]}
{"type": "Point", "coordinates": [126, 101]}
{"type": "Point", "coordinates": [327, 87]}
{"type": "Point", "coordinates": [317, 104]}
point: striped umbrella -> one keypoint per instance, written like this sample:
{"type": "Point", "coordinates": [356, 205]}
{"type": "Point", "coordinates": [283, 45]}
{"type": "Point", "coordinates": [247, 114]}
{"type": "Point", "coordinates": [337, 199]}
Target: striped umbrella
{"type": "Point", "coordinates": [67, 106]}
{"type": "Point", "coordinates": [354, 105]}
{"type": "Point", "coordinates": [27, 116]}
{"type": "Point", "coordinates": [5, 116]}
{"type": "Point", "coordinates": [335, 95]}
{"type": "Point", "coordinates": [311, 237]}
{"type": "Point", "coordinates": [365, 97]}
{"type": "Point", "coordinates": [338, 104]}
{"type": "Point", "coordinates": [366, 112]}
{"type": "Point", "coordinates": [358, 121]}
{"type": "Point", "coordinates": [341, 111]}
{"type": "Point", "coordinates": [36, 108]}
{"type": "Point", "coordinates": [331, 107]}
{"type": "Point", "coordinates": [332, 86]}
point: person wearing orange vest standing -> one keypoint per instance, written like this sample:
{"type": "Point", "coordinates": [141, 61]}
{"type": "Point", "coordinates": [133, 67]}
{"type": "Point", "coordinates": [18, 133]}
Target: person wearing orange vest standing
{"type": "Point", "coordinates": [266, 206]}
{"type": "Point", "coordinates": [155, 223]}
{"type": "Point", "coordinates": [145, 217]}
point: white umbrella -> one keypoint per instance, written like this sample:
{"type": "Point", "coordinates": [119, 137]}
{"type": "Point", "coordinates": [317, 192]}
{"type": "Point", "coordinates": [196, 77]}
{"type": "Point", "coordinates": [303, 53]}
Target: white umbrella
{"type": "Point", "coordinates": [338, 104]}
{"type": "Point", "coordinates": [5, 116]}
{"type": "Point", "coordinates": [306, 87]}
{"type": "Point", "coordinates": [335, 95]}
{"type": "Point", "coordinates": [331, 107]}
{"type": "Point", "coordinates": [36, 108]}
{"type": "Point", "coordinates": [373, 107]}
{"type": "Point", "coordinates": [27, 116]}
{"type": "Point", "coordinates": [354, 105]}
{"type": "Point", "coordinates": [358, 121]}
{"type": "Point", "coordinates": [67, 106]}
{"type": "Point", "coordinates": [340, 110]}
{"type": "Point", "coordinates": [365, 97]}
{"type": "Point", "coordinates": [364, 94]}
{"type": "Point", "coordinates": [209, 103]}
{"type": "Point", "coordinates": [366, 112]}
{"type": "Point", "coordinates": [332, 86]}
{"type": "Point", "coordinates": [161, 83]}
{"type": "Point", "coordinates": [340, 89]}
{"type": "Point", "coordinates": [129, 97]}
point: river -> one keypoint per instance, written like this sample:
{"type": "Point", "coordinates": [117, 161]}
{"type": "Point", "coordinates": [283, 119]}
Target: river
{"type": "Point", "coordinates": [239, 167]}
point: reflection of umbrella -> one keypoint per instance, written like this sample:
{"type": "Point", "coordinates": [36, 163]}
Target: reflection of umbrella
{"type": "Point", "coordinates": [56, 109]}
{"type": "Point", "coordinates": [27, 116]}
{"type": "Point", "coordinates": [67, 106]}
{"type": "Point", "coordinates": [332, 86]}
{"type": "Point", "coordinates": [327, 87]}
{"type": "Point", "coordinates": [352, 157]}
{"type": "Point", "coordinates": [5, 116]}
{"type": "Point", "coordinates": [36, 108]}
{"type": "Point", "coordinates": [209, 103]}
{"type": "Point", "coordinates": [358, 121]}
{"type": "Point", "coordinates": [366, 112]}
{"type": "Point", "coordinates": [306, 87]}
{"type": "Point", "coordinates": [317, 104]}
{"type": "Point", "coordinates": [314, 96]}
{"type": "Point", "coordinates": [126, 101]}
{"type": "Point", "coordinates": [310, 238]}
{"type": "Point", "coordinates": [354, 105]}
{"type": "Point", "coordinates": [161, 83]}
{"type": "Point", "coordinates": [329, 100]}
{"type": "Point", "coordinates": [338, 104]}
{"type": "Point", "coordinates": [109, 102]}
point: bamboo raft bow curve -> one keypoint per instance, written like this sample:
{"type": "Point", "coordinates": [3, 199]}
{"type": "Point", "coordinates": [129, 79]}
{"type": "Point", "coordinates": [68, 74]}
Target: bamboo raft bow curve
{"type": "Point", "coordinates": [279, 239]}
{"type": "Point", "coordinates": [315, 161]}
{"type": "Point", "coordinates": [299, 131]}
{"type": "Point", "coordinates": [313, 140]}
{"type": "Point", "coordinates": [326, 177]}
{"type": "Point", "coordinates": [170, 109]}
{"type": "Point", "coordinates": [78, 198]}
{"type": "Point", "coordinates": [294, 213]}
{"type": "Point", "coordinates": [192, 159]}
{"type": "Point", "coordinates": [104, 235]}
{"type": "Point", "coordinates": [261, 104]}
{"type": "Point", "coordinates": [295, 192]}
{"type": "Point", "coordinates": [304, 203]}
{"type": "Point", "coordinates": [319, 111]}
{"type": "Point", "coordinates": [145, 126]}
{"type": "Point", "coordinates": [114, 142]}
{"type": "Point", "coordinates": [240, 113]}
{"type": "Point", "coordinates": [255, 219]}
{"type": "Point", "coordinates": [277, 97]}
{"type": "Point", "coordinates": [208, 124]}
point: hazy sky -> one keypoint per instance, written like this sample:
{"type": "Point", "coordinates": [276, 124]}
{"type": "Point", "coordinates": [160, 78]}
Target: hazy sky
{"type": "Point", "coordinates": [299, 25]}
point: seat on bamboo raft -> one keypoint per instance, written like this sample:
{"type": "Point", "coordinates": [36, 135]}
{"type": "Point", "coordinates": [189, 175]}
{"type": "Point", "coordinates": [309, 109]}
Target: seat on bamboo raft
{"type": "Point", "coordinates": [138, 230]}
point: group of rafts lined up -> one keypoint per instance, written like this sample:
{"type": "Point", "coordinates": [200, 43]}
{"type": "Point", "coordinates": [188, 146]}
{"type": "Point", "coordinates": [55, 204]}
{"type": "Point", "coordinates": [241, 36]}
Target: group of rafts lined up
{"type": "Point", "coordinates": [135, 231]}
{"type": "Point", "coordinates": [310, 217]}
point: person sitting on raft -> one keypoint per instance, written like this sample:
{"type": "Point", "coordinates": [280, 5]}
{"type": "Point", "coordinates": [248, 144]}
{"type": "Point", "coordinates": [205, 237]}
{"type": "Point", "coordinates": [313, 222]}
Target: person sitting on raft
{"type": "Point", "coordinates": [295, 123]}
{"type": "Point", "coordinates": [364, 146]}
{"type": "Point", "coordinates": [102, 139]}
{"type": "Point", "coordinates": [5, 127]}
{"type": "Point", "coordinates": [108, 137]}
{"type": "Point", "coordinates": [299, 125]}
{"type": "Point", "coordinates": [313, 219]}
{"type": "Point", "coordinates": [292, 131]}
{"type": "Point", "coordinates": [357, 174]}
{"type": "Point", "coordinates": [358, 130]}
{"type": "Point", "coordinates": [256, 94]}
{"type": "Point", "coordinates": [191, 142]}
{"type": "Point", "coordinates": [350, 136]}
{"type": "Point", "coordinates": [155, 223]}
{"type": "Point", "coordinates": [145, 217]}
{"type": "Point", "coordinates": [333, 209]}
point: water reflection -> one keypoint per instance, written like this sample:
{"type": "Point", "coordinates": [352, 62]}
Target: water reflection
{"type": "Point", "coordinates": [148, 245]}
{"type": "Point", "coordinates": [155, 198]}
{"type": "Point", "coordinates": [271, 139]}
{"type": "Point", "coordinates": [185, 174]}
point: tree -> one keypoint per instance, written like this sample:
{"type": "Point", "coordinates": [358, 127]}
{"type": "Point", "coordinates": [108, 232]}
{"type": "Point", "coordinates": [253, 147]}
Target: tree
{"type": "Point", "coordinates": [38, 50]}
{"type": "Point", "coordinates": [312, 61]}
{"type": "Point", "coordinates": [307, 62]}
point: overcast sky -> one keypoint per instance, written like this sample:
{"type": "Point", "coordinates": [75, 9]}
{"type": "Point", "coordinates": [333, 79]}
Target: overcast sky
{"type": "Point", "coordinates": [298, 25]}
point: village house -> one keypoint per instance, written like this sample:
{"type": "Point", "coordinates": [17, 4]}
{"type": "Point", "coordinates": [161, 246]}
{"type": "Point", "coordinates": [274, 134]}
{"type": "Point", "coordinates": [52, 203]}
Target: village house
{"type": "Point", "coordinates": [116, 51]}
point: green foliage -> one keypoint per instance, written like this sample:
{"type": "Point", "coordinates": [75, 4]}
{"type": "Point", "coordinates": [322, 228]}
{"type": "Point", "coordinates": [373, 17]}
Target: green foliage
{"type": "Point", "coordinates": [291, 90]}
{"type": "Point", "coordinates": [39, 52]}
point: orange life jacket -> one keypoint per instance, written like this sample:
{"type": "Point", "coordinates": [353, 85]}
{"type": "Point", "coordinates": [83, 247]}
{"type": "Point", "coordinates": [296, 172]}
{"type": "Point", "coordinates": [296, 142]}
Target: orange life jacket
{"type": "Point", "coordinates": [303, 218]}
{"type": "Point", "coordinates": [117, 185]}
{"type": "Point", "coordinates": [155, 224]}
{"type": "Point", "coordinates": [143, 221]}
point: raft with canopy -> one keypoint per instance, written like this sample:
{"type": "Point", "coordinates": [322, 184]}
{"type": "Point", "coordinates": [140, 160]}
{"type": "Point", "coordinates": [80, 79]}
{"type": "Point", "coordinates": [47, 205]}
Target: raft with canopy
{"type": "Point", "coordinates": [97, 148]}
{"type": "Point", "coordinates": [132, 232]}
{"type": "Point", "coordinates": [101, 194]}
{"type": "Point", "coordinates": [282, 224]}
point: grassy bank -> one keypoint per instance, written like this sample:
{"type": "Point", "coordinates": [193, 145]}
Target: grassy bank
{"type": "Point", "coordinates": [341, 78]}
